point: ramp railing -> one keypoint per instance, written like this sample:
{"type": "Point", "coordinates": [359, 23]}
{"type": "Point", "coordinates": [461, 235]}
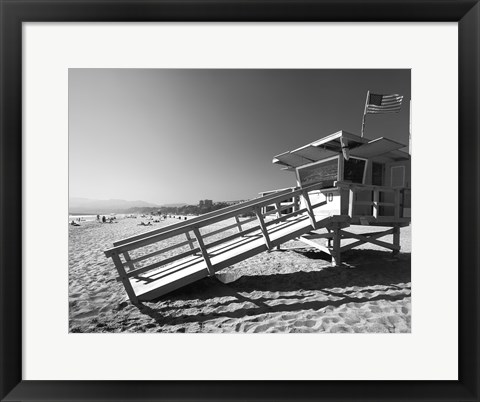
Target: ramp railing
{"type": "Point", "coordinates": [141, 253]}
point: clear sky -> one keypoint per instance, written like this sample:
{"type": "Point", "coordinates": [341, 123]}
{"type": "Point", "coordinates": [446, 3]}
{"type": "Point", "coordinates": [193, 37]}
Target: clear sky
{"type": "Point", "coordinates": [168, 136]}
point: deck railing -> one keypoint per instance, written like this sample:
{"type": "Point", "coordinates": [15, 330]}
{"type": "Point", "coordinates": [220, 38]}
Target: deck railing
{"type": "Point", "coordinates": [396, 205]}
{"type": "Point", "coordinates": [195, 235]}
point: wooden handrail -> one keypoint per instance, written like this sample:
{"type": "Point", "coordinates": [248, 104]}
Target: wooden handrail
{"type": "Point", "coordinates": [198, 218]}
{"type": "Point", "coordinates": [201, 221]}
{"type": "Point", "coordinates": [213, 244]}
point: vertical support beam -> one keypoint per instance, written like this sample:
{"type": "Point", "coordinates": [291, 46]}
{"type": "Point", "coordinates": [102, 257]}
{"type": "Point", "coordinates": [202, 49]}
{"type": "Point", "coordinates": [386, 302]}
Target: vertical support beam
{"type": "Point", "coordinates": [190, 240]}
{"type": "Point", "coordinates": [341, 161]}
{"type": "Point", "coordinates": [278, 206]}
{"type": "Point", "coordinates": [376, 207]}
{"type": "Point", "coordinates": [296, 201]}
{"type": "Point", "coordinates": [123, 276]}
{"type": "Point", "coordinates": [351, 201]}
{"type": "Point", "coordinates": [329, 239]}
{"type": "Point", "coordinates": [336, 254]}
{"type": "Point", "coordinates": [203, 249]}
{"type": "Point", "coordinates": [239, 225]}
{"type": "Point", "coordinates": [308, 204]}
{"type": "Point", "coordinates": [263, 228]}
{"type": "Point", "coordinates": [396, 238]}
{"type": "Point", "coordinates": [396, 204]}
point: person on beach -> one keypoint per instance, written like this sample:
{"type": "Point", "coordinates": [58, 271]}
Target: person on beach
{"type": "Point", "coordinates": [104, 219]}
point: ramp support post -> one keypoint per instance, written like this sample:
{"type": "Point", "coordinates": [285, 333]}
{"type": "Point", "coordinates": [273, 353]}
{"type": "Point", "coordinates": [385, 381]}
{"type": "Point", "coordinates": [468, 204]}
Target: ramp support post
{"type": "Point", "coordinates": [263, 228]}
{"type": "Point", "coordinates": [203, 249]}
{"type": "Point", "coordinates": [396, 239]}
{"type": "Point", "coordinates": [308, 205]}
{"type": "Point", "coordinates": [124, 278]}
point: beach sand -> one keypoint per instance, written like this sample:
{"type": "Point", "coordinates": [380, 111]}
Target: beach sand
{"type": "Point", "coordinates": [281, 291]}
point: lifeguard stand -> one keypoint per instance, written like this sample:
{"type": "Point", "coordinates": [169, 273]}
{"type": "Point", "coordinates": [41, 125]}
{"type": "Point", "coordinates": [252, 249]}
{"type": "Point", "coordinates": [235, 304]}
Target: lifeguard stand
{"type": "Point", "coordinates": [362, 182]}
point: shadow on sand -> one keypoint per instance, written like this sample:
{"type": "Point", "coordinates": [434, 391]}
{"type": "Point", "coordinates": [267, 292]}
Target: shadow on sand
{"type": "Point", "coordinates": [365, 269]}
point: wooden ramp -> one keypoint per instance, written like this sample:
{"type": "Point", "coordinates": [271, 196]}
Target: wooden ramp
{"type": "Point", "coordinates": [155, 263]}
{"type": "Point", "coordinates": [147, 276]}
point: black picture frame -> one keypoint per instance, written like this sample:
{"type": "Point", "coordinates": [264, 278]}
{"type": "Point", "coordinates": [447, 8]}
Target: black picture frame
{"type": "Point", "coordinates": [15, 12]}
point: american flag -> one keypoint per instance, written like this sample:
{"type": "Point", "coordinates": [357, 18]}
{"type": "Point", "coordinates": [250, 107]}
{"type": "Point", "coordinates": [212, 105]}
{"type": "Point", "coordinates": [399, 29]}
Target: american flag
{"type": "Point", "coordinates": [383, 103]}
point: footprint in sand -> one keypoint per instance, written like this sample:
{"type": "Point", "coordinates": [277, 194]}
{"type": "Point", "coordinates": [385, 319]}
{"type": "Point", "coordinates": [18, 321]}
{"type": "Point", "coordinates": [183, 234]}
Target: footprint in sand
{"type": "Point", "coordinates": [307, 323]}
{"type": "Point", "coordinates": [341, 328]}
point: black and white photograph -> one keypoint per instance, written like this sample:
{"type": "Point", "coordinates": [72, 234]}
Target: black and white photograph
{"type": "Point", "coordinates": [239, 200]}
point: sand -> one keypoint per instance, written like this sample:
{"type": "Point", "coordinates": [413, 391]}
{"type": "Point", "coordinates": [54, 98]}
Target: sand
{"type": "Point", "coordinates": [284, 291]}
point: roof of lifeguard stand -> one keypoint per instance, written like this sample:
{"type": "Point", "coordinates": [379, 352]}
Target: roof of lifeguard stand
{"type": "Point", "coordinates": [382, 149]}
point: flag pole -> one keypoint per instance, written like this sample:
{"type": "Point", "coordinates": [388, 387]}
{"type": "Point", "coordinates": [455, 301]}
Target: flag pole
{"type": "Point", "coordinates": [365, 113]}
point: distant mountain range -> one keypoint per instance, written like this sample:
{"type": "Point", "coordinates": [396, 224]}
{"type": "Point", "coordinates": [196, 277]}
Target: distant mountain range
{"type": "Point", "coordinates": [89, 206]}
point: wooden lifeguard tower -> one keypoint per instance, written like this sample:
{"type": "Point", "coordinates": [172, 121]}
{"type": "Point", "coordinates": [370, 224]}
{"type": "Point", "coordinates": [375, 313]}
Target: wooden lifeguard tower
{"type": "Point", "coordinates": [362, 182]}
{"type": "Point", "coordinates": [342, 180]}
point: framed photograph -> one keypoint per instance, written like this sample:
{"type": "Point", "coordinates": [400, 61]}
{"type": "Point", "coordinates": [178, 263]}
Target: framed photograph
{"type": "Point", "coordinates": [239, 200]}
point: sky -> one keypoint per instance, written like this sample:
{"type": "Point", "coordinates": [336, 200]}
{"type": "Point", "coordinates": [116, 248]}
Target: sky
{"type": "Point", "coordinates": [180, 136]}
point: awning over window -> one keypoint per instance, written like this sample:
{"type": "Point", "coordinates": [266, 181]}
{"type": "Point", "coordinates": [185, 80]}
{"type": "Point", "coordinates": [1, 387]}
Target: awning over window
{"type": "Point", "coordinates": [376, 147]}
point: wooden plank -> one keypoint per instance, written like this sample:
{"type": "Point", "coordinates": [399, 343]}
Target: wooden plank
{"type": "Point", "coordinates": [263, 228]}
{"type": "Point", "coordinates": [203, 249]}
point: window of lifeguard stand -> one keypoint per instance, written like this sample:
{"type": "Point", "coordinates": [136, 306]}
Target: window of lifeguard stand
{"type": "Point", "coordinates": [324, 171]}
{"type": "Point", "coordinates": [354, 170]}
